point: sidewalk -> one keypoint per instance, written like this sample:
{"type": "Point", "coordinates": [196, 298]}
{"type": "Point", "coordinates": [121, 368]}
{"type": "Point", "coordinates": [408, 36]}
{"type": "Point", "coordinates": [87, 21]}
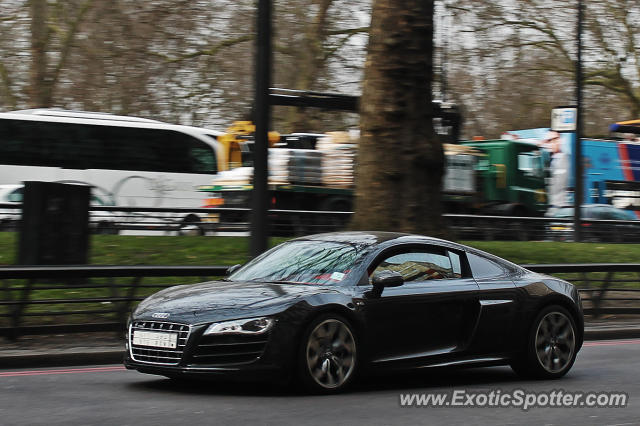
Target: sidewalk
{"type": "Point", "coordinates": [62, 350]}
{"type": "Point", "coordinates": [108, 348]}
{"type": "Point", "coordinates": [612, 328]}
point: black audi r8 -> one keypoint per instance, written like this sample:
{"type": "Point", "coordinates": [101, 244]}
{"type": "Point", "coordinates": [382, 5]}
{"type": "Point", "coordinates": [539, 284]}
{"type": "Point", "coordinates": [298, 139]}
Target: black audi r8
{"type": "Point", "coordinates": [324, 307]}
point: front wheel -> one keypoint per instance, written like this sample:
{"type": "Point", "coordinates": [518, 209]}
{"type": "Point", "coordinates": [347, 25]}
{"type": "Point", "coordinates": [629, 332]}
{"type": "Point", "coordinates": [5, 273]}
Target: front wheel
{"type": "Point", "coordinates": [551, 347]}
{"type": "Point", "coordinates": [191, 225]}
{"type": "Point", "coordinates": [328, 356]}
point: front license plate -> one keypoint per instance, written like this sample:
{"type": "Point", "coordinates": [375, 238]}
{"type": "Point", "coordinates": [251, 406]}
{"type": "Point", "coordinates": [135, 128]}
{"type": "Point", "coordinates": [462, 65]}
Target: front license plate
{"type": "Point", "coordinates": [155, 339]}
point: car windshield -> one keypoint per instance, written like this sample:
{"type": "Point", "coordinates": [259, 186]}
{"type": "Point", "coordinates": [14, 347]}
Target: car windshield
{"type": "Point", "coordinates": [616, 214]}
{"type": "Point", "coordinates": [302, 262]}
{"type": "Point", "coordinates": [564, 212]}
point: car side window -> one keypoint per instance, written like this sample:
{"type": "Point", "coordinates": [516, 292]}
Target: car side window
{"type": "Point", "coordinates": [456, 266]}
{"type": "Point", "coordinates": [15, 196]}
{"type": "Point", "coordinates": [481, 267]}
{"type": "Point", "coordinates": [423, 265]}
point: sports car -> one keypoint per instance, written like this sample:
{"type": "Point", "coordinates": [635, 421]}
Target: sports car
{"type": "Point", "coordinates": [326, 308]}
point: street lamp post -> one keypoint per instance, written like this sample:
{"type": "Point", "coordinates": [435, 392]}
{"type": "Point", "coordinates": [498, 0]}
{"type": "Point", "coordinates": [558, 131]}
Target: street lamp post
{"type": "Point", "coordinates": [577, 155]}
{"type": "Point", "coordinates": [259, 194]}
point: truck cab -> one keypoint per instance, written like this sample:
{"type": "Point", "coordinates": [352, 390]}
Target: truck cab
{"type": "Point", "coordinates": [512, 178]}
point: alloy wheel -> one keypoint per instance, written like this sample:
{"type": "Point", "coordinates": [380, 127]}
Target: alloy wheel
{"type": "Point", "coordinates": [331, 354]}
{"type": "Point", "coordinates": [555, 342]}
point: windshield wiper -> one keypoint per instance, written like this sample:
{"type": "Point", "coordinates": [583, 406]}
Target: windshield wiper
{"type": "Point", "coordinates": [261, 280]}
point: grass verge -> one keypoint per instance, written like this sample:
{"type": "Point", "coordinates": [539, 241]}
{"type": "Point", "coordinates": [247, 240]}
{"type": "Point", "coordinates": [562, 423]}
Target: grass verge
{"type": "Point", "coordinates": [168, 250]}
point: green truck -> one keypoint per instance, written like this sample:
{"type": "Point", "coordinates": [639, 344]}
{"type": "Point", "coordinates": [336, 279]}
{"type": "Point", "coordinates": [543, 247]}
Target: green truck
{"type": "Point", "coordinates": [492, 177]}
{"type": "Point", "coordinates": [512, 179]}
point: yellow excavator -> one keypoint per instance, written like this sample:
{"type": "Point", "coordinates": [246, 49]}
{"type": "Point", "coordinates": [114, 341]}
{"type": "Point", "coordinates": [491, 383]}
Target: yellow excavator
{"type": "Point", "coordinates": [236, 143]}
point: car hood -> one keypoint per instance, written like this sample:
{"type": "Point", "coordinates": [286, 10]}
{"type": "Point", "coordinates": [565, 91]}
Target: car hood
{"type": "Point", "coordinates": [219, 300]}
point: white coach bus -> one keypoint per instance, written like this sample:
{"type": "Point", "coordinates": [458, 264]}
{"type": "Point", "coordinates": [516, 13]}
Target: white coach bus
{"type": "Point", "coordinates": [128, 161]}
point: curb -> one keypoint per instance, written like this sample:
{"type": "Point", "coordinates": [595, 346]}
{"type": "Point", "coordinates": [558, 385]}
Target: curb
{"type": "Point", "coordinates": [612, 333]}
{"type": "Point", "coordinates": [64, 359]}
{"type": "Point", "coordinates": [102, 357]}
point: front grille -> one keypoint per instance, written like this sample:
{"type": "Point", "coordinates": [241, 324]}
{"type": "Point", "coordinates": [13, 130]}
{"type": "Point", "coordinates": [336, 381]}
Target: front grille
{"type": "Point", "coordinates": [229, 349]}
{"type": "Point", "coordinates": [164, 356]}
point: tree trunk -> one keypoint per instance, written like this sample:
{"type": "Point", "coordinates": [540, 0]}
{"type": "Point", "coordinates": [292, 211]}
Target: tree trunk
{"type": "Point", "coordinates": [400, 161]}
{"type": "Point", "coordinates": [40, 93]}
{"type": "Point", "coordinates": [308, 65]}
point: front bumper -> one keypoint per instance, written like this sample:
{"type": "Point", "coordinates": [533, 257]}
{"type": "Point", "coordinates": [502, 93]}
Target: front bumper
{"type": "Point", "coordinates": [273, 361]}
{"type": "Point", "coordinates": [247, 373]}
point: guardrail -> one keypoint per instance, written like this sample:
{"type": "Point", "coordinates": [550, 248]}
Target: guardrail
{"type": "Point", "coordinates": [606, 290]}
{"type": "Point", "coordinates": [203, 221]}
{"type": "Point", "coordinates": [96, 298]}
{"type": "Point", "coordinates": [102, 305]}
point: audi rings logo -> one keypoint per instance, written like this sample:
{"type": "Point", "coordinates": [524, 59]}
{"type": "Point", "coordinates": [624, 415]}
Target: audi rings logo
{"type": "Point", "coordinates": [161, 315]}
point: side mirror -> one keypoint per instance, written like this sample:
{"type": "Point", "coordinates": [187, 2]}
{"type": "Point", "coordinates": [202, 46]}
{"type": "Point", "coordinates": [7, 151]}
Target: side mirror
{"type": "Point", "coordinates": [387, 279]}
{"type": "Point", "coordinates": [233, 268]}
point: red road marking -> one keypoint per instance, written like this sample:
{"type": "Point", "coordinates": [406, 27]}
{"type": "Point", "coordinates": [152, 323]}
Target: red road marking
{"type": "Point", "coordinates": [63, 371]}
{"type": "Point", "coordinates": [613, 342]}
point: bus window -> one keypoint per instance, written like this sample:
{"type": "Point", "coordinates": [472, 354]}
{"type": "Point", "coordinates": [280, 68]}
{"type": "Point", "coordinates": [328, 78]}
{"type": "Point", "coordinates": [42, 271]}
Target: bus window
{"type": "Point", "coordinates": [201, 158]}
{"type": "Point", "coordinates": [86, 146]}
{"type": "Point", "coordinates": [17, 147]}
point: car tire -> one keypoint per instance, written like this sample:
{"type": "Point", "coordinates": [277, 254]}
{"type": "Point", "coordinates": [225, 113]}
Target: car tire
{"type": "Point", "coordinates": [191, 226]}
{"type": "Point", "coordinates": [106, 228]}
{"type": "Point", "coordinates": [327, 355]}
{"type": "Point", "coordinates": [551, 346]}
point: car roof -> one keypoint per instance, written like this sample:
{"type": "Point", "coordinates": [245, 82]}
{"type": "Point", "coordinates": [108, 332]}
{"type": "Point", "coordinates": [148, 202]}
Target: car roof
{"type": "Point", "coordinates": [591, 206]}
{"type": "Point", "coordinates": [102, 119]}
{"type": "Point", "coordinates": [368, 238]}
{"type": "Point", "coordinates": [389, 239]}
{"type": "Point", "coordinates": [55, 112]}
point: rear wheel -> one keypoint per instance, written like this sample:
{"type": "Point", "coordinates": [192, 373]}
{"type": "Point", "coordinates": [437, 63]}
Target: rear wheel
{"type": "Point", "coordinates": [551, 346]}
{"type": "Point", "coordinates": [106, 228]}
{"type": "Point", "coordinates": [191, 225]}
{"type": "Point", "coordinates": [328, 355]}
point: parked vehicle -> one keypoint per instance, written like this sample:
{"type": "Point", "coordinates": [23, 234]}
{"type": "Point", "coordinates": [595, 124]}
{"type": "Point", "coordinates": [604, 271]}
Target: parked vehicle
{"type": "Point", "coordinates": [595, 224]}
{"type": "Point", "coordinates": [137, 162]}
{"type": "Point", "coordinates": [9, 217]}
{"type": "Point", "coordinates": [99, 222]}
{"type": "Point", "coordinates": [611, 175]}
{"type": "Point", "coordinates": [487, 177]}
{"type": "Point", "coordinates": [322, 308]}
{"type": "Point", "coordinates": [512, 179]}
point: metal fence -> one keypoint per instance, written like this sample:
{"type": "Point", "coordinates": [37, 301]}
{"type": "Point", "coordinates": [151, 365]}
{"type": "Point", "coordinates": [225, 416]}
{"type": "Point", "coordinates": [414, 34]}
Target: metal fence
{"type": "Point", "coordinates": [61, 299]}
{"type": "Point", "coordinates": [605, 288]}
{"type": "Point", "coordinates": [207, 221]}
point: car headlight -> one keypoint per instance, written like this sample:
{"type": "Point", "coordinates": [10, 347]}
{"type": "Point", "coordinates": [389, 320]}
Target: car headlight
{"type": "Point", "coordinates": [241, 326]}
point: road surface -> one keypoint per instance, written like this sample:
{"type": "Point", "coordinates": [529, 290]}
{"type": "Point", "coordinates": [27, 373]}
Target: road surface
{"type": "Point", "coordinates": [110, 395]}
